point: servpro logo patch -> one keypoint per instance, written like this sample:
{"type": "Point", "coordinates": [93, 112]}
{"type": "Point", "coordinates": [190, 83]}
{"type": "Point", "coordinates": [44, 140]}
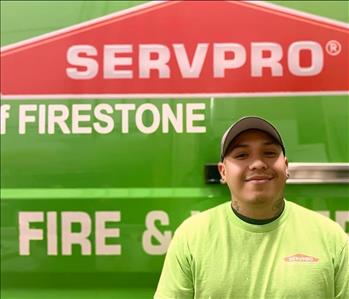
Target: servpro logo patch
{"type": "Point", "coordinates": [301, 258]}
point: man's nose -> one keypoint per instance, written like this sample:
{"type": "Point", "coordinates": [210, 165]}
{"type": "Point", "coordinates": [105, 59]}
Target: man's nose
{"type": "Point", "coordinates": [257, 164]}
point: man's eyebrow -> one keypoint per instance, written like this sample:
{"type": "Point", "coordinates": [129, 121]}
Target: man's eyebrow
{"type": "Point", "coordinates": [241, 145]}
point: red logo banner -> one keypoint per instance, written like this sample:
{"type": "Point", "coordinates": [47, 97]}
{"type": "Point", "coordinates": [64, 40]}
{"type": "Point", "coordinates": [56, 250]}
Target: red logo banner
{"type": "Point", "coordinates": [183, 48]}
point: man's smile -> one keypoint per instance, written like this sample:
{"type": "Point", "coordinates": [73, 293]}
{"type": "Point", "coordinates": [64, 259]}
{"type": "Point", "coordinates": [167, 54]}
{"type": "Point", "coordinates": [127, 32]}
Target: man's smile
{"type": "Point", "coordinates": [259, 179]}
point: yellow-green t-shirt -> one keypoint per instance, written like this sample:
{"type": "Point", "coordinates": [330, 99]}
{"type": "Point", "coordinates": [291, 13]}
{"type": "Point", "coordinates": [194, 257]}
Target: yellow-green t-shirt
{"type": "Point", "coordinates": [216, 255]}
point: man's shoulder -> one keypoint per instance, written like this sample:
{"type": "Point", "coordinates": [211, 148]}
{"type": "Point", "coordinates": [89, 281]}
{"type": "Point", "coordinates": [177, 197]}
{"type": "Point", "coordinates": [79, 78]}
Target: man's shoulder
{"type": "Point", "coordinates": [204, 220]}
{"type": "Point", "coordinates": [314, 215]}
{"type": "Point", "coordinates": [314, 219]}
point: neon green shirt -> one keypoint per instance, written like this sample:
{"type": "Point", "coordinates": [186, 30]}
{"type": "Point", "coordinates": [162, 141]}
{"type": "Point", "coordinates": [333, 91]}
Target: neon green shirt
{"type": "Point", "coordinates": [216, 255]}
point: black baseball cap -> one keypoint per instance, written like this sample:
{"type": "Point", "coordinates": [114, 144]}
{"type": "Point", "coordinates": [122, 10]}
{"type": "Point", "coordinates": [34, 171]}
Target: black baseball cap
{"type": "Point", "coordinates": [248, 123]}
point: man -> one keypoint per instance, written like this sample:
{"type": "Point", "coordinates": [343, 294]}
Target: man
{"type": "Point", "coordinates": [258, 245]}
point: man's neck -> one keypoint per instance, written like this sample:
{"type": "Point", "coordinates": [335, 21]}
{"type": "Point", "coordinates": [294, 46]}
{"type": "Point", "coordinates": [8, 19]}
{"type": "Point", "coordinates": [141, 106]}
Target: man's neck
{"type": "Point", "coordinates": [259, 211]}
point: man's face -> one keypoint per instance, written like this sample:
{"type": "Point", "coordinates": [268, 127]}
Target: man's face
{"type": "Point", "coordinates": [255, 168]}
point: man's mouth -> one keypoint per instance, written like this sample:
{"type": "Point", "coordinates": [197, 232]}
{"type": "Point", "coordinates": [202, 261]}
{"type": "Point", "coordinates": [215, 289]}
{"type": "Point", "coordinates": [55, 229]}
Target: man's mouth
{"type": "Point", "coordinates": [259, 179]}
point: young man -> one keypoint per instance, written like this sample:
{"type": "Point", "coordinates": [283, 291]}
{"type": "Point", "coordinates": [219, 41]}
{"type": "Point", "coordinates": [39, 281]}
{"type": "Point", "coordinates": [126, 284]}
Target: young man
{"type": "Point", "coordinates": [258, 245]}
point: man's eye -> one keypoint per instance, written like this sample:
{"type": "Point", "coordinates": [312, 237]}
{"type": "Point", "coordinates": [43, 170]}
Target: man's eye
{"type": "Point", "coordinates": [240, 156]}
{"type": "Point", "coordinates": [270, 153]}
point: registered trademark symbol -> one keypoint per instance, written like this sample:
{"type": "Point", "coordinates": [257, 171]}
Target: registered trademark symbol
{"type": "Point", "coordinates": [333, 47]}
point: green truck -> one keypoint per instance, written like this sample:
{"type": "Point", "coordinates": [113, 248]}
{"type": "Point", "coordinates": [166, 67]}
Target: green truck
{"type": "Point", "coordinates": [111, 119]}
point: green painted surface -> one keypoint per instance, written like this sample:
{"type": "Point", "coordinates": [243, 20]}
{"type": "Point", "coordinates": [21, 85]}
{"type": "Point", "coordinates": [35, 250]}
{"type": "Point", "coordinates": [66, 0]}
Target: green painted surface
{"type": "Point", "coordinates": [337, 10]}
{"type": "Point", "coordinates": [136, 173]}
{"type": "Point", "coordinates": [53, 293]}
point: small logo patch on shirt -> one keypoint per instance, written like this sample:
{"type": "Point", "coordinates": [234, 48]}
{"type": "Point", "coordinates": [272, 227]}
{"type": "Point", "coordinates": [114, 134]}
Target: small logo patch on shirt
{"type": "Point", "coordinates": [301, 258]}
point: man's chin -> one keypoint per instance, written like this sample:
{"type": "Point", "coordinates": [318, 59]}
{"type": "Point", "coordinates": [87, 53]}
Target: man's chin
{"type": "Point", "coordinates": [260, 199]}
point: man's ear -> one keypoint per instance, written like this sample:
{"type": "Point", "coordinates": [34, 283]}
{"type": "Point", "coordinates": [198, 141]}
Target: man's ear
{"type": "Point", "coordinates": [287, 173]}
{"type": "Point", "coordinates": [221, 169]}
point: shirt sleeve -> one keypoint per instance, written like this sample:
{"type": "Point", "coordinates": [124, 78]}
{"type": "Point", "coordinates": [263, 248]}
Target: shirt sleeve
{"type": "Point", "coordinates": [342, 273]}
{"type": "Point", "coordinates": [176, 280]}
